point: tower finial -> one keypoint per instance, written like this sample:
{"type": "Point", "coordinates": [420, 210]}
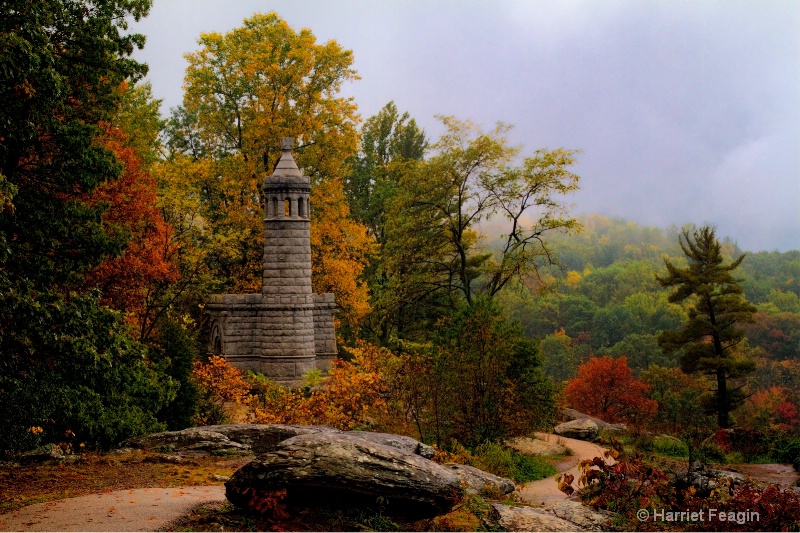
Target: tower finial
{"type": "Point", "coordinates": [287, 143]}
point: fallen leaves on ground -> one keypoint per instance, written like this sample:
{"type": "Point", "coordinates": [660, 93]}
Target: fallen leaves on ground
{"type": "Point", "coordinates": [96, 473]}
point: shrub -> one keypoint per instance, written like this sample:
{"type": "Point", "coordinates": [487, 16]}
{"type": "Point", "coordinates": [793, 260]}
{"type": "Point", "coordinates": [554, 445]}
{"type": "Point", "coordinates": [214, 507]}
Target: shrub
{"type": "Point", "coordinates": [787, 450]}
{"type": "Point", "coordinates": [711, 452]}
{"type": "Point", "coordinates": [79, 373]}
{"type": "Point", "coordinates": [351, 397]}
{"type": "Point", "coordinates": [220, 386]}
{"type": "Point", "coordinates": [505, 462]}
{"type": "Point", "coordinates": [670, 446]}
{"type": "Point", "coordinates": [754, 508]}
{"type": "Point", "coordinates": [176, 352]}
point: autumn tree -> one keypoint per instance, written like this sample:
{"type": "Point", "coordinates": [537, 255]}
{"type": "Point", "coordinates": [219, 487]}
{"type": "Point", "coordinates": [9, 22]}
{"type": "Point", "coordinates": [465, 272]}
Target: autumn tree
{"type": "Point", "coordinates": [709, 340]}
{"type": "Point", "coordinates": [128, 281]}
{"type": "Point", "coordinates": [605, 388]}
{"type": "Point", "coordinates": [67, 363]}
{"type": "Point", "coordinates": [679, 397]}
{"type": "Point", "coordinates": [245, 90]}
{"type": "Point", "coordinates": [772, 410]}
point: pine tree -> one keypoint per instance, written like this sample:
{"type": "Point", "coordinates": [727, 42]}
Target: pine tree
{"type": "Point", "coordinates": [710, 339]}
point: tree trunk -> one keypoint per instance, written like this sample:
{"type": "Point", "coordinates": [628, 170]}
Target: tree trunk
{"type": "Point", "coordinates": [722, 399]}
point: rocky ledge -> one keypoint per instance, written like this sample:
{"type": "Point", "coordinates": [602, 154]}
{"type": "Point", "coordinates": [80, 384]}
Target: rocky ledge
{"type": "Point", "coordinates": [309, 467]}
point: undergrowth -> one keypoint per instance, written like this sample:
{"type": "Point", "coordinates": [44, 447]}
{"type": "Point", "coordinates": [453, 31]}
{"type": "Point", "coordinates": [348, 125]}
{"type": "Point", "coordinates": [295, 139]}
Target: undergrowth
{"type": "Point", "coordinates": [504, 462]}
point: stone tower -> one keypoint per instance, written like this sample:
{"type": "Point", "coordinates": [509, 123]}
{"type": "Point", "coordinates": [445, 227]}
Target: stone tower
{"type": "Point", "coordinates": [286, 330]}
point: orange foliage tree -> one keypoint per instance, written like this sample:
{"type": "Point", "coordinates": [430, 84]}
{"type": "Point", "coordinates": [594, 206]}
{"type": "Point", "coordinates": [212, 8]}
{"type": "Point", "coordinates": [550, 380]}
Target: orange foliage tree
{"type": "Point", "coordinates": [605, 388]}
{"type": "Point", "coordinates": [127, 280]}
{"type": "Point", "coordinates": [769, 409]}
{"type": "Point", "coordinates": [220, 385]}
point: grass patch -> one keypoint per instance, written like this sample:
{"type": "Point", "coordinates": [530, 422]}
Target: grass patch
{"type": "Point", "coordinates": [505, 462]}
{"type": "Point", "coordinates": [670, 447]}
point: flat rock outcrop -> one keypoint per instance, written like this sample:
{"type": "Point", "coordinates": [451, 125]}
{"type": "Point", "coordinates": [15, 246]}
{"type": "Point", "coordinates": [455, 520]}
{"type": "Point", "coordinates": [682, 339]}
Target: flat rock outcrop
{"type": "Point", "coordinates": [345, 470]}
{"type": "Point", "coordinates": [477, 481]}
{"type": "Point", "coordinates": [583, 516]}
{"type": "Point", "coordinates": [190, 439]}
{"type": "Point", "coordinates": [531, 446]}
{"type": "Point", "coordinates": [565, 515]}
{"type": "Point", "coordinates": [530, 519]}
{"type": "Point", "coordinates": [260, 438]}
{"type": "Point", "coordinates": [572, 414]}
{"type": "Point", "coordinates": [581, 429]}
{"type": "Point", "coordinates": [263, 438]}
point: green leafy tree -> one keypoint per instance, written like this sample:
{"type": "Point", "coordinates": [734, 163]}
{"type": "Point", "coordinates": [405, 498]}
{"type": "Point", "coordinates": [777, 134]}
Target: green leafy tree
{"type": "Point", "coordinates": [432, 253]}
{"type": "Point", "coordinates": [679, 398]}
{"type": "Point", "coordinates": [176, 352]}
{"type": "Point", "coordinates": [68, 365]}
{"type": "Point", "coordinates": [478, 379]}
{"type": "Point", "coordinates": [139, 117]}
{"type": "Point", "coordinates": [61, 66]}
{"type": "Point", "coordinates": [642, 351]}
{"type": "Point", "coordinates": [559, 358]}
{"type": "Point", "coordinates": [716, 305]}
{"type": "Point", "coordinates": [387, 140]}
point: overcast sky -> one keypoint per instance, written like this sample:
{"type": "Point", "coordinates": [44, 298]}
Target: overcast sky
{"type": "Point", "coordinates": [684, 111]}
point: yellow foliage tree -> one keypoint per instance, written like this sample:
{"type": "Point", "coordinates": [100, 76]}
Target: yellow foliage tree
{"type": "Point", "coordinates": [245, 90]}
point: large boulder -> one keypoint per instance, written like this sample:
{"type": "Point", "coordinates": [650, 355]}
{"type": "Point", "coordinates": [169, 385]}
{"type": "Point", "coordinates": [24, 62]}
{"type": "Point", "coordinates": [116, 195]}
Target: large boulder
{"type": "Point", "coordinates": [400, 442]}
{"type": "Point", "coordinates": [192, 439]}
{"type": "Point", "coordinates": [477, 481]}
{"type": "Point", "coordinates": [706, 479]}
{"type": "Point", "coordinates": [582, 429]}
{"type": "Point", "coordinates": [346, 471]}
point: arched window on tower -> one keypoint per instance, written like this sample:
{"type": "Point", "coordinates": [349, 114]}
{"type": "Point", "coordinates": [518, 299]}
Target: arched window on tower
{"type": "Point", "coordinates": [301, 212]}
{"type": "Point", "coordinates": [287, 208]}
{"type": "Point", "coordinates": [274, 212]}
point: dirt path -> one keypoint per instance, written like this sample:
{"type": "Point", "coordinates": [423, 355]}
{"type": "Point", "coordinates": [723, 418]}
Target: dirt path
{"type": "Point", "coordinates": [768, 473]}
{"type": "Point", "coordinates": [545, 491]}
{"type": "Point", "coordinates": [122, 510]}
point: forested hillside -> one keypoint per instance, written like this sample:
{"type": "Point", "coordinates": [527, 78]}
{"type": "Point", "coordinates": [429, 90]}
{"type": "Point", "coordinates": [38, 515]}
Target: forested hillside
{"type": "Point", "coordinates": [118, 224]}
{"type": "Point", "coordinates": [605, 299]}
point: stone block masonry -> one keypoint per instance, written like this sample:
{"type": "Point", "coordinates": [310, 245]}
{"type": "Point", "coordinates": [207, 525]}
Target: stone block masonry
{"type": "Point", "coordinates": [286, 330]}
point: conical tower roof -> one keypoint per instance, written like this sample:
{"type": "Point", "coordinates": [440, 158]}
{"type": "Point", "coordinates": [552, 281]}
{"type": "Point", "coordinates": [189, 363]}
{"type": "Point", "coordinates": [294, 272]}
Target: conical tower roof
{"type": "Point", "coordinates": [286, 165]}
